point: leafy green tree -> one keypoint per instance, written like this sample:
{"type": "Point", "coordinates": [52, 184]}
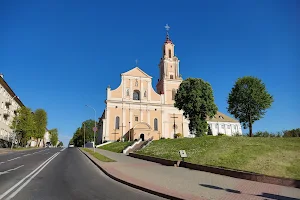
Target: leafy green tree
{"type": "Point", "coordinates": [24, 125]}
{"type": "Point", "coordinates": [54, 136]}
{"type": "Point", "coordinates": [248, 101]}
{"type": "Point", "coordinates": [89, 133]}
{"type": "Point", "coordinates": [78, 138]}
{"type": "Point", "coordinates": [60, 144]}
{"type": "Point", "coordinates": [195, 98]}
{"type": "Point", "coordinates": [40, 117]}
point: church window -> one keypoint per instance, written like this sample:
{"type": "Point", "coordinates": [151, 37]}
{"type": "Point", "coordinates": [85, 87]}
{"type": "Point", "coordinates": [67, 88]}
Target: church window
{"type": "Point", "coordinates": [222, 126]}
{"type": "Point", "coordinates": [127, 92]}
{"type": "Point", "coordinates": [145, 93]}
{"type": "Point", "coordinates": [136, 118]}
{"type": "Point", "coordinates": [155, 124]}
{"type": "Point", "coordinates": [136, 83]}
{"type": "Point", "coordinates": [173, 94]}
{"type": "Point", "coordinates": [228, 126]}
{"type": "Point", "coordinates": [136, 95]}
{"type": "Point", "coordinates": [169, 53]}
{"type": "Point", "coordinates": [117, 123]}
{"type": "Point", "coordinates": [171, 77]}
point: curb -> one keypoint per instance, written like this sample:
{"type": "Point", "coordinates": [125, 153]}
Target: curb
{"type": "Point", "coordinates": [223, 171]}
{"type": "Point", "coordinates": [130, 184]}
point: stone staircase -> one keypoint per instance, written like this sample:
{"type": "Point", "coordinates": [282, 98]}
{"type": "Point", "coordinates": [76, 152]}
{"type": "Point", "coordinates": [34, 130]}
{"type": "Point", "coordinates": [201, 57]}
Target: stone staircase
{"type": "Point", "coordinates": [137, 146]}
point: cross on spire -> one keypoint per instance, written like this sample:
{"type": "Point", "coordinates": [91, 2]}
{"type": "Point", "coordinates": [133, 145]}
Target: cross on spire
{"type": "Point", "coordinates": [167, 27]}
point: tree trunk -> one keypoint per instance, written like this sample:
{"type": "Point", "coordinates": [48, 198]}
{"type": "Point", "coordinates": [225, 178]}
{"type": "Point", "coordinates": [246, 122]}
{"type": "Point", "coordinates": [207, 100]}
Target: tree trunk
{"type": "Point", "coordinates": [250, 129]}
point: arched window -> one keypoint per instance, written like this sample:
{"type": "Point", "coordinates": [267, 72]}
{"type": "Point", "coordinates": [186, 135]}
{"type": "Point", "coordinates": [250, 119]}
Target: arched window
{"type": "Point", "coordinates": [173, 94]}
{"type": "Point", "coordinates": [117, 124]}
{"type": "Point", "coordinates": [169, 53]}
{"type": "Point", "coordinates": [136, 95]}
{"type": "Point", "coordinates": [127, 92]}
{"type": "Point", "coordinates": [136, 83]}
{"type": "Point", "coordinates": [155, 124]}
{"type": "Point", "coordinates": [171, 77]}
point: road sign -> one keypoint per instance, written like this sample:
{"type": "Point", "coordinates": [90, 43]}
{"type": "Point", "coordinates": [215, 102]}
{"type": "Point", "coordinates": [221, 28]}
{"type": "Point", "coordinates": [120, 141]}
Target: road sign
{"type": "Point", "coordinates": [182, 154]}
{"type": "Point", "coordinates": [95, 129]}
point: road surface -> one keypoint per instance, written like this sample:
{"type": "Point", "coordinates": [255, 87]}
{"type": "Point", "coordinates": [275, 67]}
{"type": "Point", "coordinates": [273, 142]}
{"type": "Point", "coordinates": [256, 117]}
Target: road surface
{"type": "Point", "coordinates": [56, 173]}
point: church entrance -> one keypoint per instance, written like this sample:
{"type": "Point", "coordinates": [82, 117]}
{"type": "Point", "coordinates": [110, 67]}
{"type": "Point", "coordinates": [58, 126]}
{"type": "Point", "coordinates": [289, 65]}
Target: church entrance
{"type": "Point", "coordinates": [142, 136]}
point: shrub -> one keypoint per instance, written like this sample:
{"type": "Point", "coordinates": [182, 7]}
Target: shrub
{"type": "Point", "coordinates": [178, 135]}
{"type": "Point", "coordinates": [292, 133]}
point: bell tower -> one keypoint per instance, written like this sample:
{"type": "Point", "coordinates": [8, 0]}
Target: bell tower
{"type": "Point", "coordinates": [170, 78]}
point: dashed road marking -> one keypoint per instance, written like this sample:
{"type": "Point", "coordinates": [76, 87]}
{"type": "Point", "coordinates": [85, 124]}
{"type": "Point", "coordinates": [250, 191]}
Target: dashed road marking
{"type": "Point", "coordinates": [13, 159]}
{"type": "Point", "coordinates": [7, 171]}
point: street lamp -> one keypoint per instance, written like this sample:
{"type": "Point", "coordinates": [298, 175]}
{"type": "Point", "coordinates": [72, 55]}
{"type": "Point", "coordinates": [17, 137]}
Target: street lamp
{"type": "Point", "coordinates": [94, 129]}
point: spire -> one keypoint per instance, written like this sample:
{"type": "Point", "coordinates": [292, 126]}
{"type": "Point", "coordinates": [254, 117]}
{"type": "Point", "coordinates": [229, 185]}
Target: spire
{"type": "Point", "coordinates": [168, 40]}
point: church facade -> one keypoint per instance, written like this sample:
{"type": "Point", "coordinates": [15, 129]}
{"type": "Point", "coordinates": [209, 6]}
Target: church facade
{"type": "Point", "coordinates": [135, 110]}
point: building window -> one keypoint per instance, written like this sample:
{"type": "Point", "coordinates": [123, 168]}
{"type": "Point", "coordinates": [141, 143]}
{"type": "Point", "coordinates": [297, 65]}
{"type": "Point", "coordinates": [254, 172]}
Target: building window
{"type": "Point", "coordinates": [221, 117]}
{"type": "Point", "coordinates": [136, 119]}
{"type": "Point", "coordinates": [216, 125]}
{"type": "Point", "coordinates": [117, 124]}
{"type": "Point", "coordinates": [228, 126]}
{"type": "Point", "coordinates": [169, 53]}
{"type": "Point", "coordinates": [136, 83]}
{"type": "Point", "coordinates": [173, 94]}
{"type": "Point", "coordinates": [136, 95]}
{"type": "Point", "coordinates": [222, 126]}
{"type": "Point", "coordinates": [171, 77]}
{"type": "Point", "coordinates": [145, 93]}
{"type": "Point", "coordinates": [155, 125]}
{"type": "Point", "coordinates": [127, 92]}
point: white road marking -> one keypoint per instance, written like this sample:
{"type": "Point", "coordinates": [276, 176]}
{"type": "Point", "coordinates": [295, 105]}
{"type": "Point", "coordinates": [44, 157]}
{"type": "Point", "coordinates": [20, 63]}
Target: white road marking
{"type": "Point", "coordinates": [13, 159]}
{"type": "Point", "coordinates": [22, 180]}
{"type": "Point", "coordinates": [7, 171]}
{"type": "Point", "coordinates": [24, 184]}
{"type": "Point", "coordinates": [63, 149]}
{"type": "Point", "coordinates": [27, 154]}
{"type": "Point", "coordinates": [1, 163]}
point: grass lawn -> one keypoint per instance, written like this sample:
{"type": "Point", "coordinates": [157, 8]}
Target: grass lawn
{"type": "Point", "coordinates": [270, 156]}
{"type": "Point", "coordinates": [24, 149]}
{"type": "Point", "coordinates": [98, 155]}
{"type": "Point", "coordinates": [117, 147]}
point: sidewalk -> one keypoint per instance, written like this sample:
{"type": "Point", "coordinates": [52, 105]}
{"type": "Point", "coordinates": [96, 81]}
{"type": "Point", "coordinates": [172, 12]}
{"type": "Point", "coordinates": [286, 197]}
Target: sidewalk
{"type": "Point", "coordinates": [190, 184]}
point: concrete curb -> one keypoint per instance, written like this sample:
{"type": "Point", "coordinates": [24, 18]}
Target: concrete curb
{"type": "Point", "coordinates": [157, 193]}
{"type": "Point", "coordinates": [223, 171]}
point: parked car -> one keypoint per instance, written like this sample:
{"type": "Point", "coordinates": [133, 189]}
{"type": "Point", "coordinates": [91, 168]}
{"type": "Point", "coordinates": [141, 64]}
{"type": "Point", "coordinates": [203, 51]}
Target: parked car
{"type": "Point", "coordinates": [71, 145]}
{"type": "Point", "coordinates": [48, 144]}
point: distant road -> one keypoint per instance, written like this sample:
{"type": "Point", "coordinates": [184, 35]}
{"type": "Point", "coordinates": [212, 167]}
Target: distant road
{"type": "Point", "coordinates": [58, 173]}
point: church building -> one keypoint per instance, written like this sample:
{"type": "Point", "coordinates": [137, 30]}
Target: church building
{"type": "Point", "coordinates": [135, 110]}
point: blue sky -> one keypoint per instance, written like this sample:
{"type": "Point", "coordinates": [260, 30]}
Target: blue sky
{"type": "Point", "coordinates": [61, 55]}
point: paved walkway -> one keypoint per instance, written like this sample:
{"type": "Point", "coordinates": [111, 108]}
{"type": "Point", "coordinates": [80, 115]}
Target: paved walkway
{"type": "Point", "coordinates": [191, 184]}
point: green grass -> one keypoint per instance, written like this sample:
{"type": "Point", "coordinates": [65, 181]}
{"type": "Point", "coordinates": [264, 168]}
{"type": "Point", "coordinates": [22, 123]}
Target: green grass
{"type": "Point", "coordinates": [117, 147]}
{"type": "Point", "coordinates": [98, 155]}
{"type": "Point", "coordinates": [271, 156]}
{"type": "Point", "coordinates": [24, 148]}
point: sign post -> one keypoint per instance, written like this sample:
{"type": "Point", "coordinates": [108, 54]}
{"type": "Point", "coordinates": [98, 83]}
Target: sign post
{"type": "Point", "coordinates": [182, 154]}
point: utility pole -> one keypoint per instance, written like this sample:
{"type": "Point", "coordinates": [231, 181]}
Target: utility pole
{"type": "Point", "coordinates": [83, 135]}
{"type": "Point", "coordinates": [122, 132]}
{"type": "Point", "coordinates": [174, 126]}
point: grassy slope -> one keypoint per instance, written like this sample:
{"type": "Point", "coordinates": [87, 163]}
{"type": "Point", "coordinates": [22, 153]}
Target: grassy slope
{"type": "Point", "coordinates": [117, 147]}
{"type": "Point", "coordinates": [98, 155]}
{"type": "Point", "coordinates": [271, 156]}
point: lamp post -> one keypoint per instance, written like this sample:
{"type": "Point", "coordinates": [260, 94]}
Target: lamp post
{"type": "Point", "coordinates": [83, 135]}
{"type": "Point", "coordinates": [94, 129]}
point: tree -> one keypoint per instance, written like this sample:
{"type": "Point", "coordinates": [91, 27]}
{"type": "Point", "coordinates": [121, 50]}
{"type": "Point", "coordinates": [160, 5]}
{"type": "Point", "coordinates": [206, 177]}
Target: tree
{"type": "Point", "coordinates": [248, 101]}
{"type": "Point", "coordinates": [60, 144]}
{"type": "Point", "coordinates": [40, 117]}
{"type": "Point", "coordinates": [89, 133]}
{"type": "Point", "coordinates": [54, 136]}
{"type": "Point", "coordinates": [78, 138]}
{"type": "Point", "coordinates": [195, 98]}
{"type": "Point", "coordinates": [24, 125]}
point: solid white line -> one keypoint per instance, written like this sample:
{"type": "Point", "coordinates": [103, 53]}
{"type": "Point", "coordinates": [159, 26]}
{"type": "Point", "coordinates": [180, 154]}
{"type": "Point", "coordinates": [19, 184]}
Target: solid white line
{"type": "Point", "coordinates": [7, 171]}
{"type": "Point", "coordinates": [24, 184]}
{"type": "Point", "coordinates": [21, 181]}
{"type": "Point", "coordinates": [13, 159]}
{"type": "Point", "coordinates": [63, 149]}
{"type": "Point", "coordinates": [27, 154]}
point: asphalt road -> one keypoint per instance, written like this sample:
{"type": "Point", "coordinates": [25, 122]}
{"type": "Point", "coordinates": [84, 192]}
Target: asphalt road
{"type": "Point", "coordinates": [59, 174]}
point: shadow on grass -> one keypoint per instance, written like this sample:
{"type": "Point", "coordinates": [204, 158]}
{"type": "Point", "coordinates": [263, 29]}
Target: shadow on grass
{"type": "Point", "coordinates": [264, 195]}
